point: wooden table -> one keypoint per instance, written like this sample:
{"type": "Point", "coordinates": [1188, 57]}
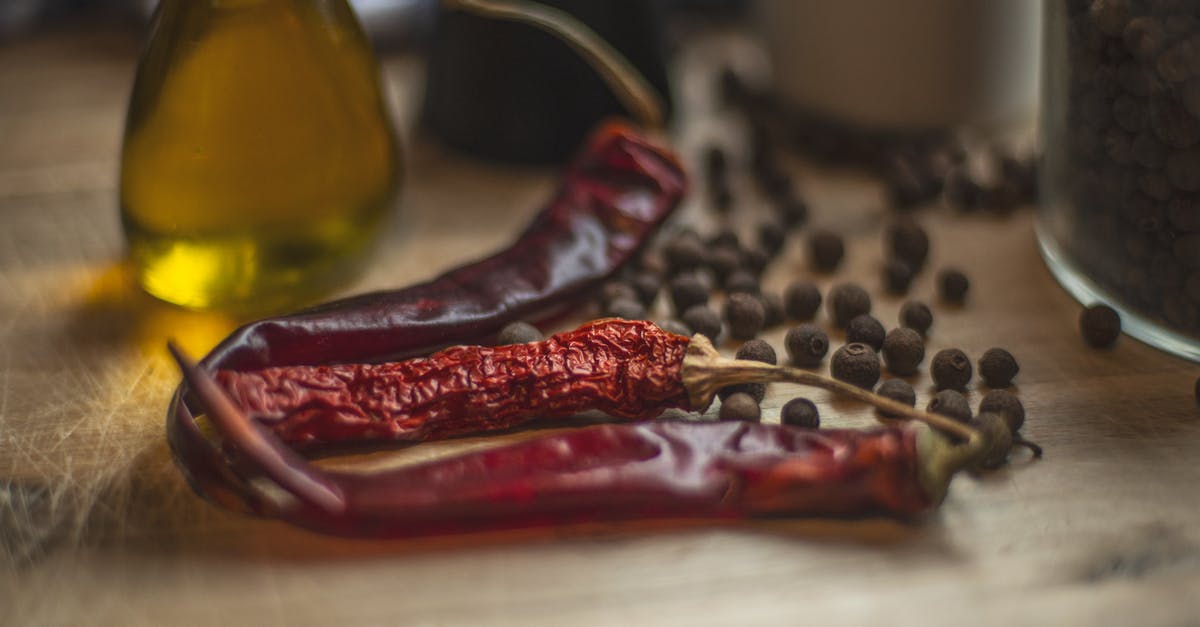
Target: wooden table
{"type": "Point", "coordinates": [97, 527]}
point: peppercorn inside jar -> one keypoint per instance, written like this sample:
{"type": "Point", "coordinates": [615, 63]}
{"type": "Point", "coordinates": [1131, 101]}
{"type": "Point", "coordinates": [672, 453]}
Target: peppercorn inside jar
{"type": "Point", "coordinates": [1120, 215]}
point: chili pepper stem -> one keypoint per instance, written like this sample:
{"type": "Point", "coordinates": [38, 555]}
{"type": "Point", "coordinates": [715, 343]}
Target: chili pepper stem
{"type": "Point", "coordinates": [626, 82]}
{"type": "Point", "coordinates": [705, 372]}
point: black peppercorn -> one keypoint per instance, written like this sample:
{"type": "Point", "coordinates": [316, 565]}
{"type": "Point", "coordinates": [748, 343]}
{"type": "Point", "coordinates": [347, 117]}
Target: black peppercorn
{"type": "Point", "coordinates": [916, 315]}
{"type": "Point", "coordinates": [687, 291]}
{"type": "Point", "coordinates": [847, 300]}
{"type": "Point", "coordinates": [772, 308]}
{"type": "Point", "coordinates": [757, 350]}
{"type": "Point", "coordinates": [857, 364]}
{"type": "Point", "coordinates": [908, 242]}
{"type": "Point", "coordinates": [825, 250]}
{"type": "Point", "coordinates": [703, 320]}
{"type": "Point", "coordinates": [865, 329]}
{"type": "Point", "coordinates": [801, 300]}
{"type": "Point", "coordinates": [755, 260]}
{"type": "Point", "coordinates": [898, 390]}
{"type": "Point", "coordinates": [625, 308]}
{"type": "Point", "coordinates": [1006, 404]}
{"type": "Point", "coordinates": [647, 287]}
{"type": "Point", "coordinates": [806, 345]}
{"type": "Point", "coordinates": [951, 369]}
{"type": "Point", "coordinates": [950, 403]}
{"type": "Point", "coordinates": [793, 211]}
{"type": "Point", "coordinates": [903, 351]}
{"type": "Point", "coordinates": [616, 290]}
{"type": "Point", "coordinates": [724, 261]}
{"type": "Point", "coordinates": [771, 235]}
{"type": "Point", "coordinates": [997, 367]}
{"type": "Point", "coordinates": [897, 276]}
{"type": "Point", "coordinates": [754, 350]}
{"type": "Point", "coordinates": [677, 327]}
{"type": "Point", "coordinates": [744, 315]}
{"type": "Point", "coordinates": [740, 407]}
{"type": "Point", "coordinates": [518, 333]}
{"type": "Point", "coordinates": [685, 252]}
{"type": "Point", "coordinates": [800, 412]}
{"type": "Point", "coordinates": [741, 281]}
{"type": "Point", "coordinates": [1101, 326]}
{"type": "Point", "coordinates": [953, 286]}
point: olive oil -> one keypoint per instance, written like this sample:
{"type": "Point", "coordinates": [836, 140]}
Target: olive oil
{"type": "Point", "coordinates": [258, 161]}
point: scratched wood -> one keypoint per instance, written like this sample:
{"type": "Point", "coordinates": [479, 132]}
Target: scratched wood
{"type": "Point", "coordinates": [97, 527]}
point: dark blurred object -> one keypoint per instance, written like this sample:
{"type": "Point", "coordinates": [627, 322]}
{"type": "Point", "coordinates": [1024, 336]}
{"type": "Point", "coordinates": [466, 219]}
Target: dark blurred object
{"type": "Point", "coordinates": [390, 24]}
{"type": "Point", "coordinates": [508, 91]}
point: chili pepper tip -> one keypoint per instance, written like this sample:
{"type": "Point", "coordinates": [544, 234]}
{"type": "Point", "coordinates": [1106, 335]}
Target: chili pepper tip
{"type": "Point", "coordinates": [278, 462]}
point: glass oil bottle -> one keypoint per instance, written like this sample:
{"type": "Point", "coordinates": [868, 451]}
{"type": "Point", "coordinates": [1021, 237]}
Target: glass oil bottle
{"type": "Point", "coordinates": [259, 162]}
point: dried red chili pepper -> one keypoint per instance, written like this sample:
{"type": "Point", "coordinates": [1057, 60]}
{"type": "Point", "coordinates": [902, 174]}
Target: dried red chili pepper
{"type": "Point", "coordinates": [612, 199]}
{"type": "Point", "coordinates": [604, 473]}
{"type": "Point", "coordinates": [627, 369]}
{"type": "Point", "coordinates": [631, 368]}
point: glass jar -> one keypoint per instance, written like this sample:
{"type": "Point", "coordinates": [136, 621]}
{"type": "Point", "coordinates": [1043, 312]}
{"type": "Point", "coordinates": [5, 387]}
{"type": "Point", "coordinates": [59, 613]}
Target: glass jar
{"type": "Point", "coordinates": [259, 160]}
{"type": "Point", "coordinates": [1120, 215]}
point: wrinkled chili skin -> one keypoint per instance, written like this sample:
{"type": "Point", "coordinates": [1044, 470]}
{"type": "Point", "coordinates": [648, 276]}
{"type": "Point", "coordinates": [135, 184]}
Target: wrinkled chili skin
{"type": "Point", "coordinates": [612, 198]}
{"type": "Point", "coordinates": [620, 472]}
{"type": "Point", "coordinates": [625, 368]}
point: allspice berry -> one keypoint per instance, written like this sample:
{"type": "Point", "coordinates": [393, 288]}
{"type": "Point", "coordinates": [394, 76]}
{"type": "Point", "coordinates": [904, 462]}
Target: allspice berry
{"type": "Point", "coordinates": [647, 287]}
{"type": "Point", "coordinates": [754, 350]}
{"type": "Point", "coordinates": [740, 407]}
{"type": "Point", "coordinates": [950, 403]}
{"type": "Point", "coordinates": [916, 315]}
{"type": "Point", "coordinates": [801, 300]}
{"type": "Point", "coordinates": [677, 327]}
{"type": "Point", "coordinates": [898, 390]}
{"type": "Point", "coordinates": [897, 276]}
{"type": "Point", "coordinates": [806, 345]}
{"type": "Point", "coordinates": [951, 369]}
{"type": "Point", "coordinates": [865, 329]}
{"type": "Point", "coordinates": [745, 315]}
{"type": "Point", "coordinates": [825, 250]}
{"type": "Point", "coordinates": [518, 333]}
{"type": "Point", "coordinates": [953, 286]}
{"type": "Point", "coordinates": [685, 252]}
{"type": "Point", "coordinates": [687, 291]}
{"type": "Point", "coordinates": [741, 281]}
{"type": "Point", "coordinates": [856, 364]}
{"type": "Point", "coordinates": [703, 320]}
{"type": "Point", "coordinates": [1101, 326]}
{"type": "Point", "coordinates": [903, 351]}
{"type": "Point", "coordinates": [907, 242]}
{"type": "Point", "coordinates": [847, 300]}
{"type": "Point", "coordinates": [1006, 404]}
{"type": "Point", "coordinates": [616, 290]}
{"type": "Point", "coordinates": [629, 309]}
{"type": "Point", "coordinates": [997, 367]}
{"type": "Point", "coordinates": [772, 309]}
{"type": "Point", "coordinates": [800, 412]}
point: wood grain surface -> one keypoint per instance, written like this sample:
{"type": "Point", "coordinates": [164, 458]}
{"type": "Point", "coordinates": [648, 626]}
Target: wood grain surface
{"type": "Point", "coordinates": [97, 527]}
